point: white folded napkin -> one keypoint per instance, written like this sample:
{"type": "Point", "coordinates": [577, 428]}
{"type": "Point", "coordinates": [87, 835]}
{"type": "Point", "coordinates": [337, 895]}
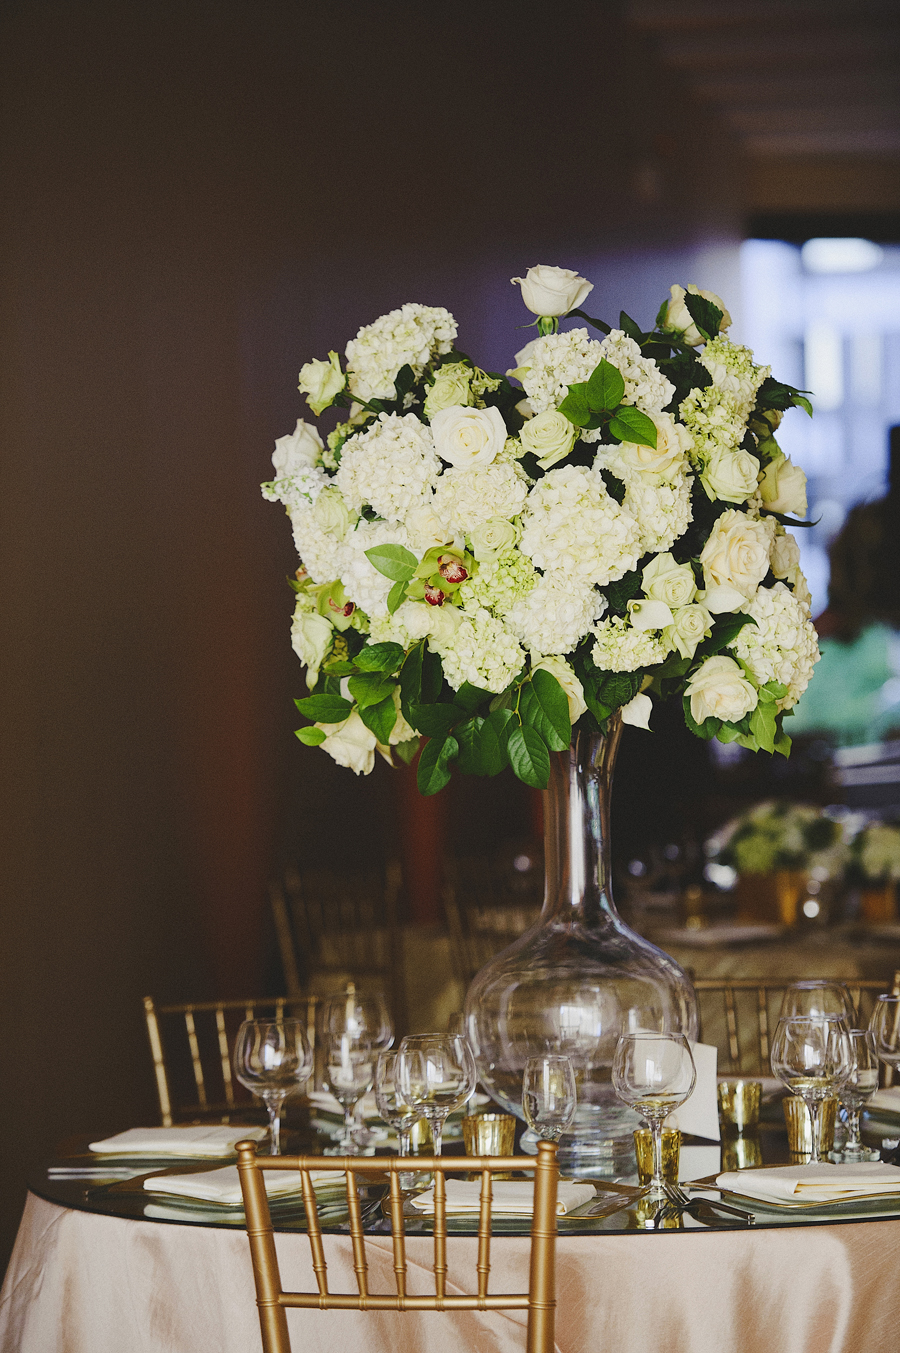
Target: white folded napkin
{"type": "Point", "coordinates": [213, 1140]}
{"type": "Point", "coordinates": [813, 1183]}
{"type": "Point", "coordinates": [224, 1185]}
{"type": "Point", "coordinates": [325, 1102]}
{"type": "Point", "coordinates": [516, 1196]}
{"type": "Point", "coordinates": [886, 1100]}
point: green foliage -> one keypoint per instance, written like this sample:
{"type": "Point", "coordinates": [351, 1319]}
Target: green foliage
{"type": "Point", "coordinates": [394, 561]}
{"type": "Point", "coordinates": [434, 764]}
{"type": "Point", "coordinates": [774, 394]}
{"type": "Point", "coordinates": [618, 594]}
{"type": "Point", "coordinates": [325, 708]}
{"type": "Point", "coordinates": [614, 486]}
{"type": "Point", "coordinates": [312, 737]}
{"type": "Point", "coordinates": [595, 323]}
{"type": "Point", "coordinates": [380, 658]}
{"type": "Point", "coordinates": [529, 757]}
{"type": "Point", "coordinates": [706, 314]}
{"type": "Point", "coordinates": [630, 425]}
{"type": "Point", "coordinates": [370, 689]}
{"type": "Point", "coordinates": [408, 750]}
{"type": "Point", "coordinates": [544, 706]}
{"type": "Point", "coordinates": [605, 388]}
{"type": "Point", "coordinates": [434, 720]}
{"type": "Point", "coordinates": [380, 718]}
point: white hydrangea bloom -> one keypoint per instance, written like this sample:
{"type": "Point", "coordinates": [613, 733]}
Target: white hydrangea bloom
{"type": "Point", "coordinates": [662, 511]}
{"type": "Point", "coordinates": [645, 385]}
{"type": "Point", "coordinates": [321, 553]}
{"type": "Point", "coordinates": [555, 615]}
{"type": "Point", "coordinates": [298, 489]}
{"type": "Point", "coordinates": [555, 362]}
{"type": "Point", "coordinates": [465, 499]}
{"type": "Point", "coordinates": [572, 526]}
{"type": "Point", "coordinates": [619, 648]}
{"type": "Point", "coordinates": [498, 583]}
{"type": "Point", "coordinates": [782, 645]}
{"type": "Point", "coordinates": [411, 336]}
{"type": "Point", "coordinates": [392, 466]}
{"type": "Point", "coordinates": [408, 624]}
{"type": "Point", "coordinates": [363, 583]}
{"type": "Point", "coordinates": [733, 369]}
{"type": "Point", "coordinates": [481, 651]}
{"type": "Point", "coordinates": [714, 418]}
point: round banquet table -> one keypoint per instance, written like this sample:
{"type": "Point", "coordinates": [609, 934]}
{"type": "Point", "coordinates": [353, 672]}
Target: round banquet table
{"type": "Point", "coordinates": [100, 1271]}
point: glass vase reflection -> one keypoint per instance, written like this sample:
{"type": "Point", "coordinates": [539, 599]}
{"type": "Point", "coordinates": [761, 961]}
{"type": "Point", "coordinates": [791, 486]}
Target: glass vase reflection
{"type": "Point", "coordinates": [580, 976]}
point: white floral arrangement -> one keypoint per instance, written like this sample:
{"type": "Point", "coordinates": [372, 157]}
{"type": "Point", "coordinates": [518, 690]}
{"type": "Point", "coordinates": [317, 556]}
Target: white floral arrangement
{"type": "Point", "coordinates": [777, 834]}
{"type": "Point", "coordinates": [488, 560]}
{"type": "Point", "coordinates": [875, 854]}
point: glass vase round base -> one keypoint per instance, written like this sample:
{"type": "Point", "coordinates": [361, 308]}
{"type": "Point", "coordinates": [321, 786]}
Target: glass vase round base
{"type": "Point", "coordinates": [853, 1157]}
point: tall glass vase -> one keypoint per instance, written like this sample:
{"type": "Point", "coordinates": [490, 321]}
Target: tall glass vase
{"type": "Point", "coordinates": [580, 976]}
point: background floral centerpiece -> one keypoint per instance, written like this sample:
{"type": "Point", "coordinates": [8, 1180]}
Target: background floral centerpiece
{"type": "Point", "coordinates": [488, 560]}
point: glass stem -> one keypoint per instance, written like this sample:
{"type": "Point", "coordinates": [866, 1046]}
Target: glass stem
{"type": "Point", "coordinates": [403, 1134]}
{"type": "Point", "coordinates": [853, 1129]}
{"type": "Point", "coordinates": [437, 1128]}
{"type": "Point", "coordinates": [815, 1118]}
{"type": "Point", "coordinates": [274, 1100]}
{"type": "Point", "coordinates": [656, 1136]}
{"type": "Point", "coordinates": [349, 1124]}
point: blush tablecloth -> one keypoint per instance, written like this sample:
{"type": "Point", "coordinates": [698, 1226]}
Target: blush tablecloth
{"type": "Point", "coordinates": [80, 1282]}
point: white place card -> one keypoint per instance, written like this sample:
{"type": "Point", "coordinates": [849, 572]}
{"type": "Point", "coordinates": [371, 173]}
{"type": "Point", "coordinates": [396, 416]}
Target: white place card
{"type": "Point", "coordinates": [699, 1115]}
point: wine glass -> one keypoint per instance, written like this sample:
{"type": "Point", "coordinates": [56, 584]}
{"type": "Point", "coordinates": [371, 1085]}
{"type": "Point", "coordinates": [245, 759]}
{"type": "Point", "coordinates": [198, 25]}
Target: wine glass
{"type": "Point", "coordinates": [441, 1081]}
{"type": "Point", "coordinates": [549, 1099]}
{"type": "Point", "coordinates": [393, 1107]}
{"type": "Point", "coordinates": [859, 1087]}
{"type": "Point", "coordinates": [364, 1016]}
{"type": "Point", "coordinates": [272, 1058]}
{"type": "Point", "coordinates": [349, 1074]}
{"type": "Point", "coordinates": [811, 1056]}
{"type": "Point", "coordinates": [885, 1026]}
{"type": "Point", "coordinates": [818, 996]}
{"type": "Point", "coordinates": [654, 1073]}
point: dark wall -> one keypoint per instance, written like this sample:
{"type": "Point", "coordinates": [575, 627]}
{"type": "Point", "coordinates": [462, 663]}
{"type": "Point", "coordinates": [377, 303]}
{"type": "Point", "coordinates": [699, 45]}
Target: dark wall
{"type": "Point", "coordinates": [197, 197]}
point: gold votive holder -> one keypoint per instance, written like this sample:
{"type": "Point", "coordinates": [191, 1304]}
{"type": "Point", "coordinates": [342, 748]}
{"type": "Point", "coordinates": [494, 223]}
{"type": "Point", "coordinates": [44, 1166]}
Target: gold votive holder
{"type": "Point", "coordinates": [489, 1134]}
{"type": "Point", "coordinates": [799, 1125]}
{"type": "Point", "coordinates": [671, 1152]}
{"type": "Point", "coordinates": [739, 1103]}
{"type": "Point", "coordinates": [742, 1151]}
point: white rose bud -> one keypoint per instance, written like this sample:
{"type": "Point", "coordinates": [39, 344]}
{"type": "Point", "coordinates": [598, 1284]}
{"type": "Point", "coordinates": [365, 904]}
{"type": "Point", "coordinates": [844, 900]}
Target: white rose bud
{"type": "Point", "coordinates": [350, 743]}
{"type": "Point", "coordinates": [730, 475]}
{"type": "Point", "coordinates": [662, 462]}
{"type": "Point", "coordinates": [785, 560]}
{"type": "Point", "coordinates": [719, 690]}
{"type": "Point", "coordinates": [550, 436]}
{"type": "Point", "coordinates": [679, 319]}
{"type": "Point", "coordinates": [321, 381]}
{"type": "Point", "coordinates": [690, 626]}
{"type": "Point", "coordinates": [468, 437]}
{"type": "Point", "coordinates": [332, 513]}
{"type": "Point", "coordinates": [637, 712]}
{"type": "Point", "coordinates": [552, 291]}
{"type": "Point", "coordinates": [665, 580]}
{"type": "Point", "coordinates": [311, 636]}
{"type": "Point", "coordinates": [451, 387]}
{"type": "Point", "coordinates": [783, 487]}
{"type": "Point", "coordinates": [649, 615]}
{"type": "Point", "coordinates": [559, 668]}
{"type": "Point", "coordinates": [301, 449]}
{"type": "Point", "coordinates": [492, 538]}
{"type": "Point", "coordinates": [735, 559]}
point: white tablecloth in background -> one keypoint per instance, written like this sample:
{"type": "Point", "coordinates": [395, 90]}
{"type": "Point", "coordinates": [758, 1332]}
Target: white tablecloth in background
{"type": "Point", "coordinates": [83, 1283]}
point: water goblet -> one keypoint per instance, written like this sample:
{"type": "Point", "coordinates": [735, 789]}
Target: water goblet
{"type": "Point", "coordinates": [362, 1014]}
{"type": "Point", "coordinates": [818, 996]}
{"type": "Point", "coordinates": [549, 1098]}
{"type": "Point", "coordinates": [811, 1056]}
{"type": "Point", "coordinates": [349, 1074]}
{"type": "Point", "coordinates": [442, 1081]}
{"type": "Point", "coordinates": [858, 1088]}
{"type": "Point", "coordinates": [397, 1111]}
{"type": "Point", "coordinates": [272, 1059]}
{"type": "Point", "coordinates": [654, 1073]}
{"type": "Point", "coordinates": [885, 1026]}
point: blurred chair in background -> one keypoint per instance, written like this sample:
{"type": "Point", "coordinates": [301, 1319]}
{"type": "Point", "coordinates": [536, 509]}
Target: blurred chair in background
{"type": "Point", "coordinates": [489, 901]}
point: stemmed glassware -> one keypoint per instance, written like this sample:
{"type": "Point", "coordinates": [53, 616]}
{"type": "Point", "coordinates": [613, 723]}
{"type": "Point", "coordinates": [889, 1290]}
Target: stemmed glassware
{"type": "Point", "coordinates": [654, 1073]}
{"type": "Point", "coordinates": [272, 1059]}
{"type": "Point", "coordinates": [818, 996]}
{"type": "Point", "coordinates": [885, 1027]}
{"type": "Point", "coordinates": [858, 1088]}
{"type": "Point", "coordinates": [349, 1074]}
{"type": "Point", "coordinates": [440, 1081]}
{"type": "Point", "coordinates": [394, 1108]}
{"type": "Point", "coordinates": [549, 1097]}
{"type": "Point", "coordinates": [811, 1056]}
{"type": "Point", "coordinates": [364, 1016]}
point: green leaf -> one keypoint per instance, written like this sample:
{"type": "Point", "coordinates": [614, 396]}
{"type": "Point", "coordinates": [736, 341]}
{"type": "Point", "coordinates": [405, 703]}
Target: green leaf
{"type": "Point", "coordinates": [468, 736]}
{"type": "Point", "coordinates": [433, 770]}
{"type": "Point", "coordinates": [313, 737]}
{"type": "Point", "coordinates": [396, 596]}
{"type": "Point", "coordinates": [614, 486]}
{"type": "Point", "coordinates": [529, 757]}
{"type": "Point", "coordinates": [380, 718]}
{"type": "Point", "coordinates": [597, 323]}
{"type": "Point", "coordinates": [630, 425]}
{"type": "Point", "coordinates": [370, 689]}
{"type": "Point", "coordinates": [575, 406]}
{"type": "Point", "coordinates": [432, 677]}
{"type": "Point", "coordinates": [706, 315]}
{"type": "Point", "coordinates": [394, 561]}
{"type": "Point", "coordinates": [411, 676]}
{"type": "Point", "coordinates": [783, 743]}
{"type": "Point", "coordinates": [435, 720]}
{"type": "Point", "coordinates": [762, 725]}
{"type": "Point", "coordinates": [706, 730]}
{"type": "Point", "coordinates": [380, 658]}
{"type": "Point", "coordinates": [628, 326]}
{"type": "Point", "coordinates": [605, 388]}
{"type": "Point", "coordinates": [404, 381]}
{"type": "Point", "coordinates": [618, 594]}
{"type": "Point", "coordinates": [470, 697]}
{"type": "Point", "coordinates": [325, 708]}
{"type": "Point", "coordinates": [495, 733]}
{"type": "Point", "coordinates": [618, 688]}
{"type": "Point", "coordinates": [724, 631]}
{"type": "Point", "coordinates": [544, 705]}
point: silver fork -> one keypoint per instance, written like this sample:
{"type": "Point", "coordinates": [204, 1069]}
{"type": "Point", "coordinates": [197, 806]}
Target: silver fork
{"type": "Point", "coordinates": [677, 1195]}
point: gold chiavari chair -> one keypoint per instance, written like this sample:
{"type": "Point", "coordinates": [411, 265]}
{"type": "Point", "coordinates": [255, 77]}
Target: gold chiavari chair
{"type": "Point", "coordinates": [272, 1300]}
{"type": "Point", "coordinates": [191, 1046]}
{"type": "Point", "coordinates": [744, 1001]}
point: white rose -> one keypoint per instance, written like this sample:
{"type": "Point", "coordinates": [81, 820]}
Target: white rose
{"type": "Point", "coordinates": [665, 580]}
{"type": "Point", "coordinates": [783, 486]}
{"type": "Point", "coordinates": [550, 436]}
{"type": "Point", "coordinates": [300, 449]}
{"type": "Point", "coordinates": [735, 559]}
{"type": "Point", "coordinates": [523, 359]}
{"type": "Point", "coordinates": [785, 560]}
{"type": "Point", "coordinates": [649, 615]}
{"type": "Point", "coordinates": [321, 381]}
{"type": "Point", "coordinates": [426, 528]}
{"type": "Point", "coordinates": [559, 668]}
{"type": "Point", "coordinates": [468, 437]}
{"type": "Point", "coordinates": [678, 317]}
{"type": "Point", "coordinates": [719, 690]}
{"type": "Point", "coordinates": [350, 743]}
{"type": "Point", "coordinates": [662, 462]}
{"type": "Point", "coordinates": [444, 621]}
{"type": "Point", "coordinates": [311, 636]}
{"type": "Point", "coordinates": [690, 626]}
{"type": "Point", "coordinates": [730, 475]}
{"type": "Point", "coordinates": [637, 712]}
{"type": "Point", "coordinates": [492, 538]}
{"type": "Point", "coordinates": [401, 731]}
{"type": "Point", "coordinates": [552, 291]}
{"type": "Point", "coordinates": [332, 513]}
{"type": "Point", "coordinates": [451, 387]}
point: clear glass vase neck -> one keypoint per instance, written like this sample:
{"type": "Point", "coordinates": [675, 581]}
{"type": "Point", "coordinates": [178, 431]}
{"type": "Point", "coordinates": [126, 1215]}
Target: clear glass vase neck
{"type": "Point", "coordinates": [577, 862]}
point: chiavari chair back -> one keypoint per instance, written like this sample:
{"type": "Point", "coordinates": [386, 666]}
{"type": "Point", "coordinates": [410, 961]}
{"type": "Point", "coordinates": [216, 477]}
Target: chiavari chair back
{"type": "Point", "coordinates": [739, 1015]}
{"type": "Point", "coordinates": [191, 1045]}
{"type": "Point", "coordinates": [273, 1301]}
{"type": "Point", "coordinates": [488, 903]}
